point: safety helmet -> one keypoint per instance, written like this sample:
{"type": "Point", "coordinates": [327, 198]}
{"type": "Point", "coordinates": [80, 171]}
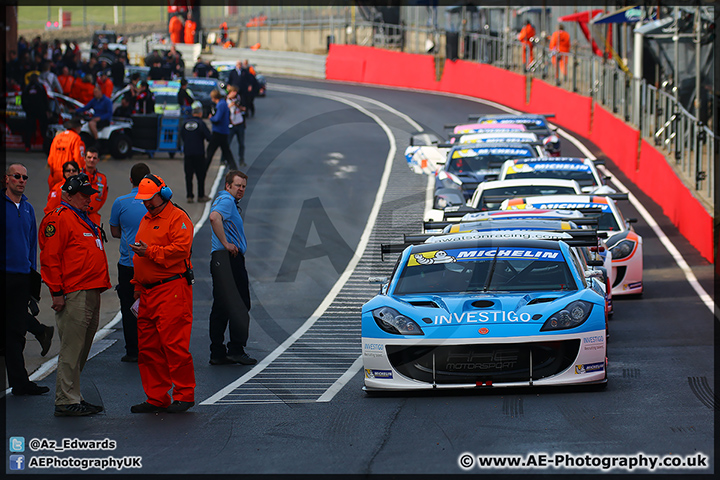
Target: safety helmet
{"type": "Point", "coordinates": [150, 186]}
{"type": "Point", "coordinates": [551, 145]}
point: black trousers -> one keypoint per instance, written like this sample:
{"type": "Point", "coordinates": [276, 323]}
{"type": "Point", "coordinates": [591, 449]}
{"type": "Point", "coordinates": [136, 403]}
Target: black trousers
{"type": "Point", "coordinates": [219, 140]}
{"type": "Point", "coordinates": [195, 165]}
{"type": "Point", "coordinates": [17, 296]}
{"type": "Point", "coordinates": [231, 304]}
{"type": "Point", "coordinates": [31, 126]}
{"type": "Point", "coordinates": [129, 322]}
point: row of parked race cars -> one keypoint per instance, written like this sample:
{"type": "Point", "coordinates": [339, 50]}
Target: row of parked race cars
{"type": "Point", "coordinates": [118, 138]}
{"type": "Point", "coordinates": [511, 281]}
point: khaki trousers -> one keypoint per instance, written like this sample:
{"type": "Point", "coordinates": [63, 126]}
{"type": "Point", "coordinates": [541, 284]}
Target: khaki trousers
{"type": "Point", "coordinates": [77, 324]}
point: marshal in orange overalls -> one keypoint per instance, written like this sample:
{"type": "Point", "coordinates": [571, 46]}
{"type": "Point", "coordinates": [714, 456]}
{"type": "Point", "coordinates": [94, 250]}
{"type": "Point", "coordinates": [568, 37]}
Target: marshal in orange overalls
{"type": "Point", "coordinates": [165, 310]}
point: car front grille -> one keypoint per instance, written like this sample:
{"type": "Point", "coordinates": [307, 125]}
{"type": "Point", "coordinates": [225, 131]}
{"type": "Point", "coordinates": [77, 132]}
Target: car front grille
{"type": "Point", "coordinates": [498, 363]}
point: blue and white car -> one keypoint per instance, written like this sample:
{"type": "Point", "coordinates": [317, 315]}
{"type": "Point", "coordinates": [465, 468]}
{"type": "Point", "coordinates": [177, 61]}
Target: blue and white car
{"type": "Point", "coordinates": [481, 310]}
{"type": "Point", "coordinates": [469, 165]}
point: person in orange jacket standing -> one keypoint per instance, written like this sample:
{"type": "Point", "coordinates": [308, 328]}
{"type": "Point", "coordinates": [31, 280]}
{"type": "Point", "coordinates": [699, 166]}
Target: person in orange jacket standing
{"type": "Point", "coordinates": [75, 269]}
{"type": "Point", "coordinates": [176, 29]}
{"type": "Point", "coordinates": [98, 181]}
{"type": "Point", "coordinates": [526, 38]}
{"type": "Point", "coordinates": [190, 28]}
{"type": "Point", "coordinates": [65, 146]}
{"type": "Point", "coordinates": [560, 47]}
{"type": "Point", "coordinates": [162, 281]}
{"type": "Point", "coordinates": [70, 169]}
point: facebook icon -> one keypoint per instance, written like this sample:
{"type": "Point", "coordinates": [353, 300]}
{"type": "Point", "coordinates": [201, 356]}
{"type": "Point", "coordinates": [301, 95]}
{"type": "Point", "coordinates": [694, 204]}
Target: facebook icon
{"type": "Point", "coordinates": [17, 462]}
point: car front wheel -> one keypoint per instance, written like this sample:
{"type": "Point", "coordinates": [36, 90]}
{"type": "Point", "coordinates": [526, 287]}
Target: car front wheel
{"type": "Point", "coordinates": [120, 145]}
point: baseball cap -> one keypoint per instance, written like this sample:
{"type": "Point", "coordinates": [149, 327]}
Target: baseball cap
{"type": "Point", "coordinates": [79, 184]}
{"type": "Point", "coordinates": [149, 187]}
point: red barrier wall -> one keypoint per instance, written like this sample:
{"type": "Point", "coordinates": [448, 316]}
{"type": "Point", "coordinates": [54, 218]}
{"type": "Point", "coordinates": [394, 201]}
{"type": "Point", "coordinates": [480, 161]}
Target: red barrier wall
{"type": "Point", "coordinates": [616, 139]}
{"type": "Point", "coordinates": [484, 81]}
{"type": "Point", "coordinates": [660, 182]}
{"type": "Point", "coordinates": [346, 63]}
{"type": "Point", "coordinates": [399, 69]}
{"type": "Point", "coordinates": [572, 111]}
{"type": "Point", "coordinates": [649, 169]}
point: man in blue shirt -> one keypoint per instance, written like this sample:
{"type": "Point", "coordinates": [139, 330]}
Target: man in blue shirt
{"type": "Point", "coordinates": [231, 290]}
{"type": "Point", "coordinates": [102, 111]}
{"type": "Point", "coordinates": [220, 129]}
{"type": "Point", "coordinates": [19, 261]}
{"type": "Point", "coordinates": [125, 219]}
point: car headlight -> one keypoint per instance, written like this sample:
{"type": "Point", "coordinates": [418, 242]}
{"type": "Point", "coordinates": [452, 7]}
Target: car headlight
{"type": "Point", "coordinates": [571, 316]}
{"type": "Point", "coordinates": [622, 249]}
{"type": "Point", "coordinates": [391, 321]}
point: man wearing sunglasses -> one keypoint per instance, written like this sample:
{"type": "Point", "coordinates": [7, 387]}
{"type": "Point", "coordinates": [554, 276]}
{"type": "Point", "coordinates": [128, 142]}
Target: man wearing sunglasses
{"type": "Point", "coordinates": [19, 261]}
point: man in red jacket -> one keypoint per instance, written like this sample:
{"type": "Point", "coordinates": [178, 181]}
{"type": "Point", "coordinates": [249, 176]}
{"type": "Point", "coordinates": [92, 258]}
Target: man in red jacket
{"type": "Point", "coordinates": [98, 181]}
{"type": "Point", "coordinates": [75, 269]}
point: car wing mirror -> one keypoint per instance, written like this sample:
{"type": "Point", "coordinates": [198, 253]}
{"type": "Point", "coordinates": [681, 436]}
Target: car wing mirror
{"type": "Point", "coordinates": [593, 274]}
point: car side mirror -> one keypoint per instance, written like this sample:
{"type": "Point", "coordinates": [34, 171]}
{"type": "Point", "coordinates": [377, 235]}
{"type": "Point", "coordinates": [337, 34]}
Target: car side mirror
{"type": "Point", "coordinates": [595, 263]}
{"type": "Point", "coordinates": [631, 220]}
{"type": "Point", "coordinates": [593, 274]}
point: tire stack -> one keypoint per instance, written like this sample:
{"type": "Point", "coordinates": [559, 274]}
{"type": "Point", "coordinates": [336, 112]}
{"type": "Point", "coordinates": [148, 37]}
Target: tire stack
{"type": "Point", "coordinates": [145, 131]}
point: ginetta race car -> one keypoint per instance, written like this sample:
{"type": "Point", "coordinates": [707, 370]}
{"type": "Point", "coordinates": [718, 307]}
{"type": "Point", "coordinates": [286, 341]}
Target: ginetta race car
{"type": "Point", "coordinates": [484, 310]}
{"type": "Point", "coordinates": [582, 170]}
{"type": "Point", "coordinates": [626, 245]}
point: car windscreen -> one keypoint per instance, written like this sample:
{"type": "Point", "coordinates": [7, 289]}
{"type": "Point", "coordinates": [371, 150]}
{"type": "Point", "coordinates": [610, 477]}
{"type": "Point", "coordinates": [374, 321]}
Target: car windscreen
{"type": "Point", "coordinates": [579, 172]}
{"type": "Point", "coordinates": [493, 197]}
{"type": "Point", "coordinates": [485, 269]}
{"type": "Point", "coordinates": [469, 160]}
{"type": "Point", "coordinates": [605, 216]}
{"type": "Point", "coordinates": [202, 89]}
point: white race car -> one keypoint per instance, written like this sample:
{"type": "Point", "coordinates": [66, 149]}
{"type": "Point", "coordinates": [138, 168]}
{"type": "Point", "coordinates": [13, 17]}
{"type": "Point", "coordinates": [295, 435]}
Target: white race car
{"type": "Point", "coordinates": [626, 245]}
{"type": "Point", "coordinates": [582, 170]}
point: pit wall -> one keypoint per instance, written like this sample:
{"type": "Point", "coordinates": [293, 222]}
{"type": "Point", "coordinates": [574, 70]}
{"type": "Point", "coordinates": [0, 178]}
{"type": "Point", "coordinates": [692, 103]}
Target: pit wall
{"type": "Point", "coordinates": [643, 164]}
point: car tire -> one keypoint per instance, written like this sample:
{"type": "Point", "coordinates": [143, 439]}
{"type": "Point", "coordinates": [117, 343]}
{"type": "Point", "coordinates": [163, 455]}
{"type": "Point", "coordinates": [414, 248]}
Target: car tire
{"type": "Point", "coordinates": [120, 145]}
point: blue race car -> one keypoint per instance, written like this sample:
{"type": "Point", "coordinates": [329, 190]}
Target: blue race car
{"type": "Point", "coordinates": [484, 309]}
{"type": "Point", "coordinates": [469, 165]}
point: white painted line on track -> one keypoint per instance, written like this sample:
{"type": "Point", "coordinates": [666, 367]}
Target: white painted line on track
{"type": "Point", "coordinates": [362, 245]}
{"type": "Point", "coordinates": [49, 366]}
{"type": "Point", "coordinates": [340, 383]}
{"type": "Point", "coordinates": [669, 246]}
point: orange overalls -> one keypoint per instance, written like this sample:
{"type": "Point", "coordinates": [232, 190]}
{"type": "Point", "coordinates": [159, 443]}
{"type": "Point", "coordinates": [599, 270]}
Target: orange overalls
{"type": "Point", "coordinates": [190, 28]}
{"type": "Point", "coordinates": [65, 146]}
{"type": "Point", "coordinates": [560, 42]}
{"type": "Point", "coordinates": [107, 87]}
{"type": "Point", "coordinates": [176, 29]}
{"type": "Point", "coordinates": [66, 82]}
{"type": "Point", "coordinates": [99, 183]}
{"type": "Point", "coordinates": [54, 197]}
{"type": "Point", "coordinates": [165, 311]}
{"type": "Point", "coordinates": [526, 34]}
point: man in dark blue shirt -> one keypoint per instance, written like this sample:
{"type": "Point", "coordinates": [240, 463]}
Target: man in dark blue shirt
{"type": "Point", "coordinates": [19, 262]}
{"type": "Point", "coordinates": [194, 133]}
{"type": "Point", "coordinates": [102, 111]}
{"type": "Point", "coordinates": [220, 129]}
